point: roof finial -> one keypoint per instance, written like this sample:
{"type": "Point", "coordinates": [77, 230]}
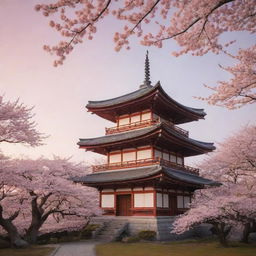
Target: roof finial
{"type": "Point", "coordinates": [147, 82]}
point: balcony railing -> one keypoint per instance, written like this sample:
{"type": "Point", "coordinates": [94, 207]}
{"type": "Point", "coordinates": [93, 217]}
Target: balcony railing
{"type": "Point", "coordinates": [180, 130]}
{"type": "Point", "coordinates": [131, 126]}
{"type": "Point", "coordinates": [142, 124]}
{"type": "Point", "coordinates": [144, 162]}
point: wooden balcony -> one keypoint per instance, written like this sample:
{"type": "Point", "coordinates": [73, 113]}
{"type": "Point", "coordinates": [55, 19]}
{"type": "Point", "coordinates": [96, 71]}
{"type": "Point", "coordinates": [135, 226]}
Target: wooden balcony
{"type": "Point", "coordinates": [180, 130]}
{"type": "Point", "coordinates": [132, 126]}
{"type": "Point", "coordinates": [144, 162]}
{"type": "Point", "coordinates": [142, 124]}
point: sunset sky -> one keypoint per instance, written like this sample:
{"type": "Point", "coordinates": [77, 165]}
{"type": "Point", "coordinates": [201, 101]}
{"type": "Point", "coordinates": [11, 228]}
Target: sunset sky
{"type": "Point", "coordinates": [94, 71]}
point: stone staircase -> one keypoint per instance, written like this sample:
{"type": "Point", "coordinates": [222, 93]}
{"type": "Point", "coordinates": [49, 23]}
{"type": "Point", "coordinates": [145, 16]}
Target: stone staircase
{"type": "Point", "coordinates": [111, 230]}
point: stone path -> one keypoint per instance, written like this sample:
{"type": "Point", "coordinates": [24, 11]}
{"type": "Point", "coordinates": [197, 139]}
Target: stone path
{"type": "Point", "coordinates": [85, 248]}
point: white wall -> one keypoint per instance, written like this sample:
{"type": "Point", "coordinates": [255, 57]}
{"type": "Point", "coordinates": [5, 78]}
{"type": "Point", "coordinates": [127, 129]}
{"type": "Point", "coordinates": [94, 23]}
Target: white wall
{"type": "Point", "coordinates": [107, 201]}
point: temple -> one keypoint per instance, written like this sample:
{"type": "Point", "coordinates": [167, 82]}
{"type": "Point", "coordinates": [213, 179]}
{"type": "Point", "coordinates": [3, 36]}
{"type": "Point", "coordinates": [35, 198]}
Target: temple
{"type": "Point", "coordinates": [145, 174]}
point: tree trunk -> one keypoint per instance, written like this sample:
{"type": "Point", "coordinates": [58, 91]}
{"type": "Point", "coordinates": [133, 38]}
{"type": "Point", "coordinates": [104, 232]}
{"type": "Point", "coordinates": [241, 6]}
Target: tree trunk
{"type": "Point", "coordinates": [246, 233]}
{"type": "Point", "coordinates": [222, 232]}
{"type": "Point", "coordinates": [32, 233]}
{"type": "Point", "coordinates": [249, 227]}
{"type": "Point", "coordinates": [15, 238]}
{"type": "Point", "coordinates": [13, 234]}
{"type": "Point", "coordinates": [36, 222]}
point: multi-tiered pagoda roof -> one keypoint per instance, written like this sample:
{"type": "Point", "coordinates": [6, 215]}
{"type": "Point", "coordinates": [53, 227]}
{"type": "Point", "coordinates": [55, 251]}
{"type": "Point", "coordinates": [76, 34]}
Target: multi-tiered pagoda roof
{"type": "Point", "coordinates": [145, 151]}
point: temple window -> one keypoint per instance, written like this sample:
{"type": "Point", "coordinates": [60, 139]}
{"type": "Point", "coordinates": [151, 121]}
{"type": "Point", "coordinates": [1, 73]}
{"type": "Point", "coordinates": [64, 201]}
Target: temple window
{"type": "Point", "coordinates": [143, 200]}
{"type": "Point", "coordinates": [173, 158]}
{"type": "Point", "coordinates": [162, 200]}
{"type": "Point", "coordinates": [158, 154]}
{"type": "Point", "coordinates": [166, 156]}
{"type": "Point", "coordinates": [183, 202]}
{"type": "Point", "coordinates": [179, 160]}
{"type": "Point", "coordinates": [144, 154]}
{"type": "Point", "coordinates": [129, 156]}
{"type": "Point", "coordinates": [115, 158]}
{"type": "Point", "coordinates": [134, 118]}
{"type": "Point", "coordinates": [124, 121]}
{"type": "Point", "coordinates": [165, 201]}
{"type": "Point", "coordinates": [169, 156]}
{"type": "Point", "coordinates": [159, 199]}
{"type": "Point", "coordinates": [107, 201]}
{"type": "Point", "coordinates": [145, 116]}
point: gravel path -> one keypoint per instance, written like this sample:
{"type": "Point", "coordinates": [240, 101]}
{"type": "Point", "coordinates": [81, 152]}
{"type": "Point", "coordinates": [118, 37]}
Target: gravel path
{"type": "Point", "coordinates": [86, 248]}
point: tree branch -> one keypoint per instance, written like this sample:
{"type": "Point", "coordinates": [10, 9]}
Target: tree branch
{"type": "Point", "coordinates": [14, 216]}
{"type": "Point", "coordinates": [221, 3]}
{"type": "Point", "coordinates": [89, 24]}
{"type": "Point", "coordinates": [145, 15]}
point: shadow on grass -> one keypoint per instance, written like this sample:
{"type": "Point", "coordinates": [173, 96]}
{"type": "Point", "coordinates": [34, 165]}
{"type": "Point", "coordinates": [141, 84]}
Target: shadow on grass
{"type": "Point", "coordinates": [177, 248]}
{"type": "Point", "coordinates": [30, 251]}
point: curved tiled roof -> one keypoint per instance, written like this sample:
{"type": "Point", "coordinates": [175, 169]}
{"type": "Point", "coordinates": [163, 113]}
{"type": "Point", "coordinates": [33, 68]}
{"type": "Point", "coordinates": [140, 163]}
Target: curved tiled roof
{"type": "Point", "coordinates": [137, 94]}
{"type": "Point", "coordinates": [143, 172]}
{"type": "Point", "coordinates": [120, 175]}
{"type": "Point", "coordinates": [119, 137]}
{"type": "Point", "coordinates": [124, 98]}
{"type": "Point", "coordinates": [188, 177]}
{"type": "Point", "coordinates": [116, 137]}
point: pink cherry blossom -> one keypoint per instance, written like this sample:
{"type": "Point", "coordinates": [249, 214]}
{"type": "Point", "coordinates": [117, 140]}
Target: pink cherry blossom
{"type": "Point", "coordinates": [17, 125]}
{"type": "Point", "coordinates": [234, 203]}
{"type": "Point", "coordinates": [196, 26]}
{"type": "Point", "coordinates": [35, 191]}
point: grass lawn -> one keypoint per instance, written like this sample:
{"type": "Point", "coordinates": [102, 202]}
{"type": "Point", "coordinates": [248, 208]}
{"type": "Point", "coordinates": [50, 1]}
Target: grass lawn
{"type": "Point", "coordinates": [31, 251]}
{"type": "Point", "coordinates": [174, 249]}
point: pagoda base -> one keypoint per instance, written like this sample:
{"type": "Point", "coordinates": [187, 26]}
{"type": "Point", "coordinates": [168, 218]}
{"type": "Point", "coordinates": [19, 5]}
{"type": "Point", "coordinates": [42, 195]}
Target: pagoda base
{"type": "Point", "coordinates": [162, 225]}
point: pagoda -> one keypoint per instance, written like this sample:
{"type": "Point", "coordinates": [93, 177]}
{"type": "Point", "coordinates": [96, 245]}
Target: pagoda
{"type": "Point", "coordinates": [144, 174]}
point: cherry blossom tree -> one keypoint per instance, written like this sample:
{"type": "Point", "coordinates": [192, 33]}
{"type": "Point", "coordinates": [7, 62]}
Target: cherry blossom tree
{"type": "Point", "coordinates": [197, 26]}
{"type": "Point", "coordinates": [16, 124]}
{"type": "Point", "coordinates": [34, 191]}
{"type": "Point", "coordinates": [234, 203]}
{"type": "Point", "coordinates": [240, 90]}
{"type": "Point", "coordinates": [11, 201]}
{"type": "Point", "coordinates": [37, 190]}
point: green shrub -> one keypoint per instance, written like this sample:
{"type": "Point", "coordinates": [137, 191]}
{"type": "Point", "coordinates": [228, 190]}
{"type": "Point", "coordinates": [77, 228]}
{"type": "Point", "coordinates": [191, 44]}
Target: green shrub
{"type": "Point", "coordinates": [53, 240]}
{"type": "Point", "coordinates": [147, 235]}
{"type": "Point", "coordinates": [132, 239]}
{"type": "Point", "coordinates": [87, 231]}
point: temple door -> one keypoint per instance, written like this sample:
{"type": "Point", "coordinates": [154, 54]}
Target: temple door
{"type": "Point", "coordinates": [123, 205]}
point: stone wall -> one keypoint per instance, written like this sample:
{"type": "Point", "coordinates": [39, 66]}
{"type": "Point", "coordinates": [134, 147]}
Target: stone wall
{"type": "Point", "coordinates": [161, 225]}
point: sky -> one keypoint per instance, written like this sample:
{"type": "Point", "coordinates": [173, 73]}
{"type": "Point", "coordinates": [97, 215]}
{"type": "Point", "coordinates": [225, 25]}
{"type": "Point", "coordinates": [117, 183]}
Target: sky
{"type": "Point", "coordinates": [94, 71]}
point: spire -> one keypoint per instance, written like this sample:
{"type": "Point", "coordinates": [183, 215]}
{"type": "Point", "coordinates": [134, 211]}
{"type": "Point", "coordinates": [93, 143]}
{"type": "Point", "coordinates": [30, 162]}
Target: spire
{"type": "Point", "coordinates": [147, 82]}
